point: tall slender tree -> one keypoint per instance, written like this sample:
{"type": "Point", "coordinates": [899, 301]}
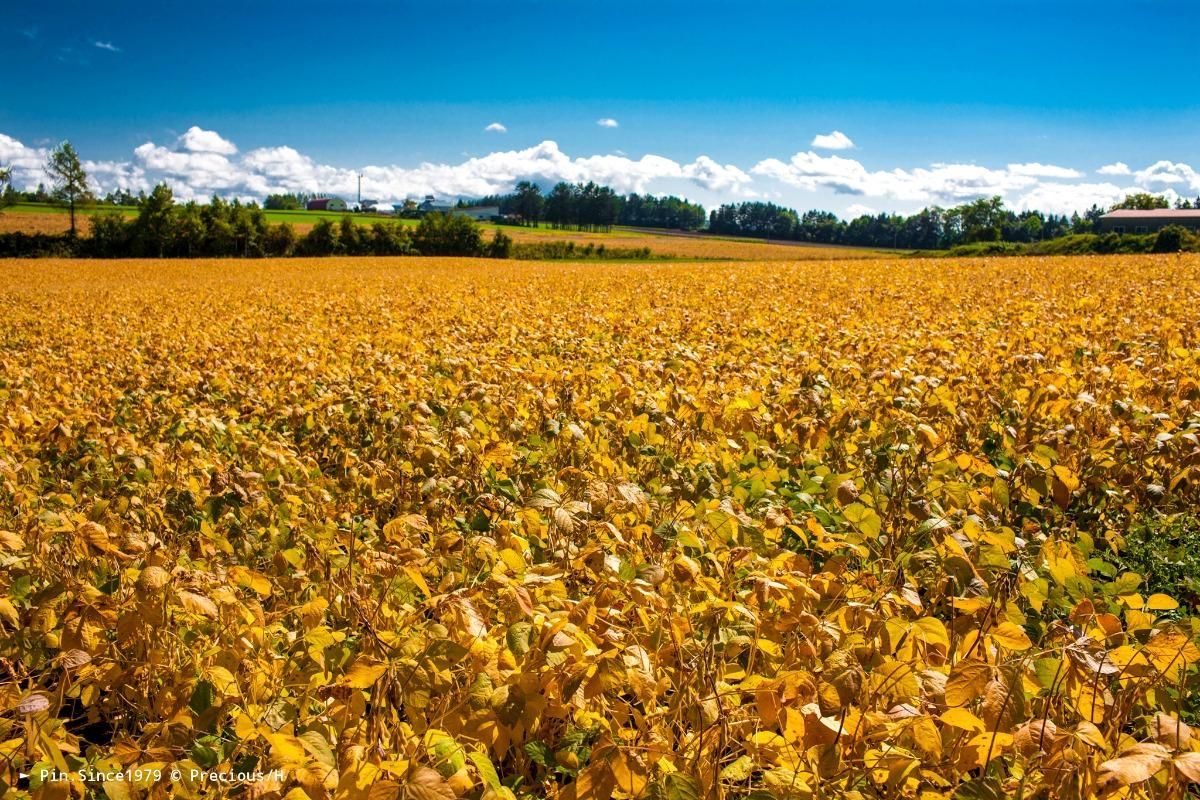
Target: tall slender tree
{"type": "Point", "coordinates": [68, 176]}
{"type": "Point", "coordinates": [5, 186]}
{"type": "Point", "coordinates": [529, 202]}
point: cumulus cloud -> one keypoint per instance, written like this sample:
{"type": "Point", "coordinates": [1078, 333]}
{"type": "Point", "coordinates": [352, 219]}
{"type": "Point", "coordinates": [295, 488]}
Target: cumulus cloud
{"type": "Point", "coordinates": [1035, 170]}
{"type": "Point", "coordinates": [201, 163]}
{"type": "Point", "coordinates": [720, 178]}
{"type": "Point", "coordinates": [20, 157]}
{"type": "Point", "coordinates": [1066, 198]}
{"type": "Point", "coordinates": [109, 46]}
{"type": "Point", "coordinates": [1119, 168]}
{"type": "Point", "coordinates": [29, 169]}
{"type": "Point", "coordinates": [198, 140]}
{"type": "Point", "coordinates": [1167, 174]}
{"type": "Point", "coordinates": [940, 183]}
{"type": "Point", "coordinates": [856, 210]}
{"type": "Point", "coordinates": [607, 122]}
{"type": "Point", "coordinates": [496, 127]}
{"type": "Point", "coordinates": [832, 141]}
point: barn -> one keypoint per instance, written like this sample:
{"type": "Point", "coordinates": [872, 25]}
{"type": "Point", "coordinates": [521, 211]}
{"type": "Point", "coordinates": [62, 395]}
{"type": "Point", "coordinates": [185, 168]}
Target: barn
{"type": "Point", "coordinates": [1128, 220]}
{"type": "Point", "coordinates": [326, 204]}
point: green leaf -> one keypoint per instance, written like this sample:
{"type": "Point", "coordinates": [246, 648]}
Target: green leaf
{"type": "Point", "coordinates": [679, 786]}
{"type": "Point", "coordinates": [487, 772]}
{"type": "Point", "coordinates": [203, 697]}
{"type": "Point", "coordinates": [540, 753]}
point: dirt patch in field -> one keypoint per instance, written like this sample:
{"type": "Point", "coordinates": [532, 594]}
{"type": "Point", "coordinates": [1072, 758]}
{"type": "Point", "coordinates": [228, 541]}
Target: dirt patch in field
{"type": "Point", "coordinates": [40, 223]}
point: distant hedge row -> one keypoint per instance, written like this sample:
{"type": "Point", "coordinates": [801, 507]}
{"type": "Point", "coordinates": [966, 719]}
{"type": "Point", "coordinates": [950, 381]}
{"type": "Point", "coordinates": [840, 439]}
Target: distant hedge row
{"type": "Point", "coordinates": [1171, 239]}
{"type": "Point", "coordinates": [163, 229]}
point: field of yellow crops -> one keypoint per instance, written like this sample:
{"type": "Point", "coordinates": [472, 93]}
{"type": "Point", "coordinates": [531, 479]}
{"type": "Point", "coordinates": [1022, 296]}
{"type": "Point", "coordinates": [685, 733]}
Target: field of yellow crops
{"type": "Point", "coordinates": [420, 528]}
{"type": "Point", "coordinates": [692, 245]}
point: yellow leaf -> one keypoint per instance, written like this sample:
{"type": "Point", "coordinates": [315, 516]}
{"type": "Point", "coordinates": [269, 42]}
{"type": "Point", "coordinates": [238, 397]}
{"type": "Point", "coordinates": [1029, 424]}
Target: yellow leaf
{"type": "Point", "coordinates": [286, 751]}
{"type": "Point", "coordinates": [961, 718]}
{"type": "Point", "coordinates": [417, 578]}
{"type": "Point", "coordinates": [256, 581]}
{"type": "Point", "coordinates": [1171, 652]}
{"type": "Point", "coordinates": [1087, 732]}
{"type": "Point", "coordinates": [926, 736]}
{"type": "Point", "coordinates": [1161, 602]}
{"type": "Point", "coordinates": [629, 774]}
{"type": "Point", "coordinates": [1188, 765]}
{"type": "Point", "coordinates": [1135, 767]}
{"type": "Point", "coordinates": [932, 631]}
{"type": "Point", "coordinates": [362, 675]}
{"type": "Point", "coordinates": [967, 681]}
{"type": "Point", "coordinates": [426, 784]}
{"type": "Point", "coordinates": [1010, 636]}
{"type": "Point", "coordinates": [981, 749]}
{"type": "Point", "coordinates": [8, 612]}
{"type": "Point", "coordinates": [198, 604]}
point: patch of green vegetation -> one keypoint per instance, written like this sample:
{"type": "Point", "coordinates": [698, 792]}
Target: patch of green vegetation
{"type": "Point", "coordinates": [1165, 551]}
{"type": "Point", "coordinates": [568, 251]}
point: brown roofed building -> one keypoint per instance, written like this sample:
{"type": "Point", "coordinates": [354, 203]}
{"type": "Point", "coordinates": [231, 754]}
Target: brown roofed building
{"type": "Point", "coordinates": [1128, 220]}
{"type": "Point", "coordinates": [326, 204]}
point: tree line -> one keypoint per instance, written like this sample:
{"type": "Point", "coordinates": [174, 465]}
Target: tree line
{"type": "Point", "coordinates": [289, 201]}
{"type": "Point", "coordinates": [229, 229]}
{"type": "Point", "coordinates": [932, 228]}
{"type": "Point", "coordinates": [591, 206]}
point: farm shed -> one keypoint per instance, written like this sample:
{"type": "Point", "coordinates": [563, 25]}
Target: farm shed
{"type": "Point", "coordinates": [432, 206]}
{"type": "Point", "coordinates": [479, 213]}
{"type": "Point", "coordinates": [1127, 220]}
{"type": "Point", "coordinates": [327, 204]}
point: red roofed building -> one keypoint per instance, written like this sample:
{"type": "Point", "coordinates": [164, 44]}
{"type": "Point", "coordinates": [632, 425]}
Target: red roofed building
{"type": "Point", "coordinates": [326, 204]}
{"type": "Point", "coordinates": [1128, 220]}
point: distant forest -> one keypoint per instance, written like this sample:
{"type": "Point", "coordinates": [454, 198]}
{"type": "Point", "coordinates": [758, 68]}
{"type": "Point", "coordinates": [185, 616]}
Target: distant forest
{"type": "Point", "coordinates": [593, 207]}
{"type": "Point", "coordinates": [590, 206]}
{"type": "Point", "coordinates": [933, 228]}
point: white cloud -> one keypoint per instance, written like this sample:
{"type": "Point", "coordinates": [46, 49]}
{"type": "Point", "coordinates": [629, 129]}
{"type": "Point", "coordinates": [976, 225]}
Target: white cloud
{"type": "Point", "coordinates": [28, 164]}
{"type": "Point", "coordinates": [940, 183]}
{"type": "Point", "coordinates": [832, 141]}
{"type": "Point", "coordinates": [1168, 174]}
{"type": "Point", "coordinates": [1066, 198]}
{"type": "Point", "coordinates": [29, 169]}
{"type": "Point", "coordinates": [1035, 170]}
{"type": "Point", "coordinates": [1119, 168]}
{"type": "Point", "coordinates": [723, 179]}
{"type": "Point", "coordinates": [197, 174]}
{"type": "Point", "coordinates": [201, 163]}
{"type": "Point", "coordinates": [496, 127]}
{"type": "Point", "coordinates": [856, 210]}
{"type": "Point", "coordinates": [109, 46]}
{"type": "Point", "coordinates": [607, 122]}
{"type": "Point", "coordinates": [198, 140]}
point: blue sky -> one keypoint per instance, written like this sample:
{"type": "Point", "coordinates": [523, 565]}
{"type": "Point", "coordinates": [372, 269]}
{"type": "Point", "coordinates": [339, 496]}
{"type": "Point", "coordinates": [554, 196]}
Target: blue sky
{"type": "Point", "coordinates": [728, 95]}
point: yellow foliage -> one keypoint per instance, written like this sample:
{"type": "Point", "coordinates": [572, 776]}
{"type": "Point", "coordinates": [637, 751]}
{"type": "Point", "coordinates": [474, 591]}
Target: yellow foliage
{"type": "Point", "coordinates": [437, 528]}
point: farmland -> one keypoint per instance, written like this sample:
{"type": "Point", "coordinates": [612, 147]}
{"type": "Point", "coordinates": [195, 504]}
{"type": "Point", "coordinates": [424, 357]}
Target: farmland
{"type": "Point", "coordinates": [440, 528]}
